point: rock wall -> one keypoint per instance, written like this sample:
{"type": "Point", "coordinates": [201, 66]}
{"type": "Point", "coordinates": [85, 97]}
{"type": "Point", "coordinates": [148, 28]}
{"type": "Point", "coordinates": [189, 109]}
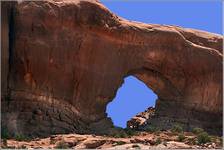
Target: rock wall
{"type": "Point", "coordinates": [70, 57]}
{"type": "Point", "coordinates": [6, 23]}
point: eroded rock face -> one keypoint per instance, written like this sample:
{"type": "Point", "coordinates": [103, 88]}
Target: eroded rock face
{"type": "Point", "coordinates": [139, 122]}
{"type": "Point", "coordinates": [70, 57]}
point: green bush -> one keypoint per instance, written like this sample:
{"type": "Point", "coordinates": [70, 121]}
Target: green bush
{"type": "Point", "coordinates": [152, 129]}
{"type": "Point", "coordinates": [197, 130]}
{"type": "Point", "coordinates": [4, 133]}
{"type": "Point", "coordinates": [120, 142]}
{"type": "Point", "coordinates": [118, 132]}
{"type": "Point", "coordinates": [181, 137]}
{"type": "Point", "coordinates": [130, 132]}
{"type": "Point", "coordinates": [20, 137]}
{"type": "Point", "coordinates": [62, 145]}
{"type": "Point", "coordinates": [177, 128]}
{"type": "Point", "coordinates": [158, 141]}
{"type": "Point", "coordinates": [123, 135]}
{"type": "Point", "coordinates": [203, 137]}
{"type": "Point", "coordinates": [120, 135]}
{"type": "Point", "coordinates": [4, 141]}
{"type": "Point", "coordinates": [118, 128]}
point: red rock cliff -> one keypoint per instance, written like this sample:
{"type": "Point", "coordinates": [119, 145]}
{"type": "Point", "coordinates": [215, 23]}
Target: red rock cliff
{"type": "Point", "coordinates": [69, 58]}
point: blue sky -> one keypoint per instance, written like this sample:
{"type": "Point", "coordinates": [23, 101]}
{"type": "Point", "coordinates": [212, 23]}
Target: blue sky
{"type": "Point", "coordinates": [134, 96]}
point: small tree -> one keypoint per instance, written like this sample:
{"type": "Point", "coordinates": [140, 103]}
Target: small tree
{"type": "Point", "coordinates": [181, 137]}
{"type": "Point", "coordinates": [197, 130]}
{"type": "Point", "coordinates": [177, 128]}
{"type": "Point", "coordinates": [203, 137]}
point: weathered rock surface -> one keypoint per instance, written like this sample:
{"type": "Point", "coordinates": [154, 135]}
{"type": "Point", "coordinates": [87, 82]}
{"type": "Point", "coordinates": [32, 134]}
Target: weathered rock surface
{"type": "Point", "coordinates": [140, 120]}
{"type": "Point", "coordinates": [68, 58]}
{"type": "Point", "coordinates": [143, 140]}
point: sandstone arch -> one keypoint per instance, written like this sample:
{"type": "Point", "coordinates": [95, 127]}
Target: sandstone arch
{"type": "Point", "coordinates": [70, 57]}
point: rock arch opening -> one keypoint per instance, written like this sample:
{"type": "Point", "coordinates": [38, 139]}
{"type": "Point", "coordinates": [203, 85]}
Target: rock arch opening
{"type": "Point", "coordinates": [133, 97]}
{"type": "Point", "coordinates": [182, 66]}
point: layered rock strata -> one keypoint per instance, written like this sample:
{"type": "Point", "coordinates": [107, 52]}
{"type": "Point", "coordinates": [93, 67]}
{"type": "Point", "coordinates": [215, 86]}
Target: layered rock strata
{"type": "Point", "coordinates": [63, 61]}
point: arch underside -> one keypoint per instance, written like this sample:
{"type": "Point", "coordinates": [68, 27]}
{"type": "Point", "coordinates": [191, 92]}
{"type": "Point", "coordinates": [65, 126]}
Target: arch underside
{"type": "Point", "coordinates": [170, 108]}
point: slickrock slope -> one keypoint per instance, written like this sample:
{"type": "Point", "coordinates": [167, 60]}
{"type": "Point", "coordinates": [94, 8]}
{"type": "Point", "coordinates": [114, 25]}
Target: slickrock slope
{"type": "Point", "coordinates": [67, 59]}
{"type": "Point", "coordinates": [144, 140]}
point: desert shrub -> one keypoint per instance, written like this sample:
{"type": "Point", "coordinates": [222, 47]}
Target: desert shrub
{"type": "Point", "coordinates": [5, 144]}
{"type": "Point", "coordinates": [158, 141]}
{"type": "Point", "coordinates": [130, 132]}
{"type": "Point", "coordinates": [116, 132]}
{"type": "Point", "coordinates": [118, 128]}
{"type": "Point", "coordinates": [181, 137]}
{"type": "Point", "coordinates": [21, 137]}
{"type": "Point", "coordinates": [52, 141]}
{"type": "Point", "coordinates": [192, 141]}
{"type": "Point", "coordinates": [4, 133]}
{"type": "Point", "coordinates": [123, 135]}
{"type": "Point", "coordinates": [157, 132]}
{"type": "Point", "coordinates": [120, 135]}
{"type": "Point", "coordinates": [197, 130]}
{"type": "Point", "coordinates": [53, 131]}
{"type": "Point", "coordinates": [152, 129]}
{"type": "Point", "coordinates": [120, 142]}
{"type": "Point", "coordinates": [177, 128]}
{"type": "Point", "coordinates": [203, 137]}
{"type": "Point", "coordinates": [62, 145]}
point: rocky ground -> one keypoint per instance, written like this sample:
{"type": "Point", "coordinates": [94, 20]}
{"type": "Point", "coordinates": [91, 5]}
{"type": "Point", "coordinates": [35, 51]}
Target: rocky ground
{"type": "Point", "coordinates": [135, 140]}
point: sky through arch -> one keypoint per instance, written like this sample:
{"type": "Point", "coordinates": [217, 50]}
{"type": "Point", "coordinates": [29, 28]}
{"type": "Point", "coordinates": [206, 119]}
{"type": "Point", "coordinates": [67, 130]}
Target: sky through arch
{"type": "Point", "coordinates": [134, 97]}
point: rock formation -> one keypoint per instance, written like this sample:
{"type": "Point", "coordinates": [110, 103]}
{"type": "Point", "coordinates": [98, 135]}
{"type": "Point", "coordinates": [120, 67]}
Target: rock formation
{"type": "Point", "coordinates": [139, 122]}
{"type": "Point", "coordinates": [143, 140]}
{"type": "Point", "coordinates": [63, 62]}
